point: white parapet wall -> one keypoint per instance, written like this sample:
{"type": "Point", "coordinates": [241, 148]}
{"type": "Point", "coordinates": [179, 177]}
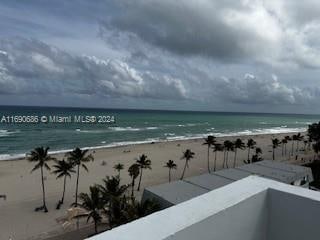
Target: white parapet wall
{"type": "Point", "coordinates": [253, 208]}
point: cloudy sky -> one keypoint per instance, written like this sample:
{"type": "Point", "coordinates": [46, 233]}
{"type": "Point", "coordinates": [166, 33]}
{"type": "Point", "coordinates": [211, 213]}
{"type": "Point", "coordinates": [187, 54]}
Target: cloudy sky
{"type": "Point", "coordinates": [231, 55]}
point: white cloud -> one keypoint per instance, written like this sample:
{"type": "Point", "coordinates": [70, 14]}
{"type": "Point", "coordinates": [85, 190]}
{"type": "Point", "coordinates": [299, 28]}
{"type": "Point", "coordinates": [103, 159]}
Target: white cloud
{"type": "Point", "coordinates": [38, 68]}
{"type": "Point", "coordinates": [253, 90]}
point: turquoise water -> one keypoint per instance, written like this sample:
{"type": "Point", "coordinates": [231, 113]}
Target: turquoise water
{"type": "Point", "coordinates": [132, 126]}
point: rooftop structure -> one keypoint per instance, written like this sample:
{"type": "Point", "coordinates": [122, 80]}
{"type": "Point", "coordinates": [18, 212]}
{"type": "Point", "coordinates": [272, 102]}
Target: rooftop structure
{"type": "Point", "coordinates": [176, 192]}
{"type": "Point", "coordinates": [253, 208]}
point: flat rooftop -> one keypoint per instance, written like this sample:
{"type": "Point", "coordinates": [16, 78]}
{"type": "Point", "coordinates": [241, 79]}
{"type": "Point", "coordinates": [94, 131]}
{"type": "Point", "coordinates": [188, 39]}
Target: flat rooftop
{"type": "Point", "coordinates": [208, 181]}
{"type": "Point", "coordinates": [177, 192]}
{"type": "Point", "coordinates": [253, 208]}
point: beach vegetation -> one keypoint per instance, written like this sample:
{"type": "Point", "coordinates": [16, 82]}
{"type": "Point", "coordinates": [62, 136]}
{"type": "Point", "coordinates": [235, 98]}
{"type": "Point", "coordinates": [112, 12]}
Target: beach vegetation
{"type": "Point", "coordinates": [238, 144]}
{"type": "Point", "coordinates": [63, 169]}
{"type": "Point", "coordinates": [217, 147]}
{"type": "Point", "coordinates": [275, 145]}
{"type": "Point", "coordinates": [94, 205]}
{"type": "Point", "coordinates": [187, 156]}
{"type": "Point", "coordinates": [40, 157]}
{"type": "Point", "coordinates": [170, 165]}
{"type": "Point", "coordinates": [111, 193]}
{"type": "Point", "coordinates": [78, 158]}
{"type": "Point", "coordinates": [228, 146]}
{"type": "Point", "coordinates": [284, 143]}
{"type": "Point", "coordinates": [118, 167]}
{"type": "Point", "coordinates": [250, 145]}
{"type": "Point", "coordinates": [257, 156]}
{"type": "Point", "coordinates": [134, 171]}
{"type": "Point", "coordinates": [144, 163]}
{"type": "Point", "coordinates": [209, 141]}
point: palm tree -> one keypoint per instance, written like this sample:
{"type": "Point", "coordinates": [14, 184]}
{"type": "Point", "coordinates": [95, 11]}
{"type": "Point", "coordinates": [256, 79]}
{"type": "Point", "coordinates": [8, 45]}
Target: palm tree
{"type": "Point", "coordinates": [63, 169]}
{"type": "Point", "coordinates": [94, 204]}
{"type": "Point", "coordinates": [238, 144]}
{"type": "Point", "coordinates": [111, 188]}
{"type": "Point", "coordinates": [118, 167]}
{"type": "Point", "coordinates": [299, 138]}
{"type": "Point", "coordinates": [77, 158]}
{"type": "Point", "coordinates": [316, 148]}
{"type": "Point", "coordinates": [111, 192]}
{"type": "Point", "coordinates": [170, 165]}
{"type": "Point", "coordinates": [283, 146]}
{"type": "Point", "coordinates": [144, 163]}
{"type": "Point", "coordinates": [228, 146]}
{"type": "Point", "coordinates": [250, 145]}
{"type": "Point", "coordinates": [287, 138]}
{"type": "Point", "coordinates": [218, 147]}
{"type": "Point", "coordinates": [257, 157]}
{"type": "Point", "coordinates": [305, 143]}
{"type": "Point", "coordinates": [40, 156]}
{"type": "Point", "coordinates": [134, 171]}
{"type": "Point", "coordinates": [187, 155]}
{"type": "Point", "coordinates": [294, 138]}
{"type": "Point", "coordinates": [209, 141]}
{"type": "Point", "coordinates": [309, 142]}
{"type": "Point", "coordinates": [137, 209]}
{"type": "Point", "coordinates": [275, 144]}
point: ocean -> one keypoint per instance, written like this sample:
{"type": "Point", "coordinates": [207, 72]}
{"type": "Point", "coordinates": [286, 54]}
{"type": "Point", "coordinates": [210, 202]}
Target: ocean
{"type": "Point", "coordinates": [24, 128]}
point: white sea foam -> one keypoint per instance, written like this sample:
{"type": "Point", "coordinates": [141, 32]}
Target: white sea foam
{"type": "Point", "coordinates": [152, 128]}
{"type": "Point", "coordinates": [171, 137]}
{"type": "Point", "coordinates": [169, 134]}
{"type": "Point", "coordinates": [6, 133]}
{"type": "Point", "coordinates": [91, 131]}
{"type": "Point", "coordinates": [121, 129]}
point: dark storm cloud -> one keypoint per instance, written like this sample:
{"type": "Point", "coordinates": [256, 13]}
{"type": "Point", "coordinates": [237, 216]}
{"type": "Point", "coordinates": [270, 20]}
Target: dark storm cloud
{"type": "Point", "coordinates": [181, 28]}
{"type": "Point", "coordinates": [230, 31]}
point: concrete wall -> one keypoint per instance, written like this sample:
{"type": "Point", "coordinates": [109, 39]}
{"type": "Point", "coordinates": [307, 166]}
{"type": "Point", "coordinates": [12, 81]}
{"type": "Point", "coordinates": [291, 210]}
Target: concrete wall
{"type": "Point", "coordinates": [292, 217]}
{"type": "Point", "coordinates": [246, 220]}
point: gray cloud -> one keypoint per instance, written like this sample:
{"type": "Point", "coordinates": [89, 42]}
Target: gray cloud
{"type": "Point", "coordinates": [253, 90]}
{"type": "Point", "coordinates": [230, 31]}
{"type": "Point", "coordinates": [33, 67]}
{"type": "Point", "coordinates": [166, 54]}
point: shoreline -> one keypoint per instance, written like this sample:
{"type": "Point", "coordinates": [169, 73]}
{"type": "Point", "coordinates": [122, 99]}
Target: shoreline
{"type": "Point", "coordinates": [22, 156]}
{"type": "Point", "coordinates": [23, 189]}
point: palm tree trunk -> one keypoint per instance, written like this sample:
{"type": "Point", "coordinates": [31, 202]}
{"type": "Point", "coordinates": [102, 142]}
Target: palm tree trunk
{"type": "Point", "coordinates": [285, 149]}
{"type": "Point", "coordinates": [248, 154]}
{"type": "Point", "coordinates": [235, 157]}
{"type": "Point", "coordinates": [224, 158]}
{"type": "Point", "coordinates": [43, 192]}
{"type": "Point", "coordinates": [77, 184]}
{"type": "Point", "coordinates": [64, 188]}
{"type": "Point", "coordinates": [208, 161]}
{"type": "Point", "coordinates": [282, 149]}
{"type": "Point", "coordinates": [132, 189]}
{"type": "Point", "coordinates": [273, 153]}
{"type": "Point", "coordinates": [227, 159]}
{"type": "Point", "coordinates": [215, 161]}
{"type": "Point", "coordinates": [292, 148]}
{"type": "Point", "coordinates": [95, 227]}
{"type": "Point", "coordinates": [169, 174]}
{"type": "Point", "coordinates": [297, 146]}
{"type": "Point", "coordinates": [184, 169]}
{"type": "Point", "coordinates": [140, 180]}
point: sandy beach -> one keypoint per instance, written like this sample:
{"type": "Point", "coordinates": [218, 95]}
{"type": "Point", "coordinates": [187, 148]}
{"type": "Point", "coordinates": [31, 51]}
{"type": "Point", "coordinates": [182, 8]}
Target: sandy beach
{"type": "Point", "coordinates": [18, 219]}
